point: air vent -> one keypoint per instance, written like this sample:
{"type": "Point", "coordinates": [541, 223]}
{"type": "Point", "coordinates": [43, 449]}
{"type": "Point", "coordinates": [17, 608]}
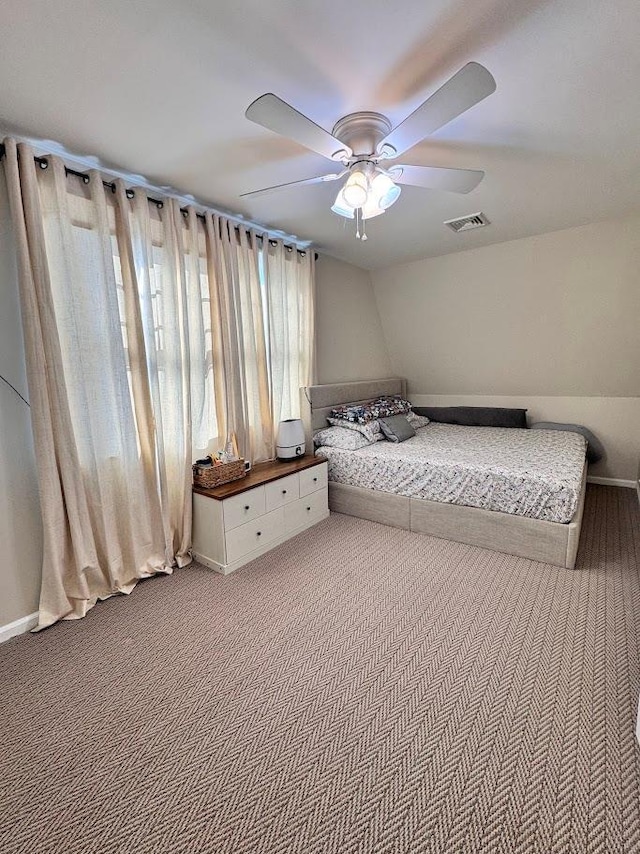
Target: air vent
{"type": "Point", "coordinates": [466, 223]}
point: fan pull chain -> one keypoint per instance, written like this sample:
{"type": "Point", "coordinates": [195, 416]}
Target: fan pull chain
{"type": "Point", "coordinates": [364, 229]}
{"type": "Point", "coordinates": [357, 226]}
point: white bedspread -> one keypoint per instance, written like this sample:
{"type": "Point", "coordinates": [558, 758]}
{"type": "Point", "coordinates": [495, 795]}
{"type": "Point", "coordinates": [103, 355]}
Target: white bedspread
{"type": "Point", "coordinates": [536, 473]}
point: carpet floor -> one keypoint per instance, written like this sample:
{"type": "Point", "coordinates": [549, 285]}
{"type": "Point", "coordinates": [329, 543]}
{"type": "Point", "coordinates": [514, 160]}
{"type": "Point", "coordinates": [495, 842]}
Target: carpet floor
{"type": "Point", "coordinates": [358, 689]}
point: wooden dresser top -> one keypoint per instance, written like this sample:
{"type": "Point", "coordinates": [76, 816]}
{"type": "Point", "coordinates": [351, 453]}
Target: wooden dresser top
{"type": "Point", "coordinates": [259, 474]}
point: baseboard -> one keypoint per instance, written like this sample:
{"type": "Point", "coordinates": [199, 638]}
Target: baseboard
{"type": "Point", "coordinates": [612, 481]}
{"type": "Point", "coordinates": [18, 627]}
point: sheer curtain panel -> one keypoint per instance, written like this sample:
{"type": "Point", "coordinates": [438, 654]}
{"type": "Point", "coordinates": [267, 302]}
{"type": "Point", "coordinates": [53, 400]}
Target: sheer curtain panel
{"type": "Point", "coordinates": [289, 284]}
{"type": "Point", "coordinates": [106, 337]}
{"type": "Point", "coordinates": [240, 352]}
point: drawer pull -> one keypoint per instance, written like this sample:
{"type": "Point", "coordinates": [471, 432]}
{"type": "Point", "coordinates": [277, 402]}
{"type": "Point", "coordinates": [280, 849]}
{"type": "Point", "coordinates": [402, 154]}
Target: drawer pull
{"type": "Point", "coordinates": [246, 506]}
{"type": "Point", "coordinates": [315, 480]}
{"type": "Point", "coordinates": [258, 533]}
{"type": "Point", "coordinates": [284, 491]}
{"type": "Point", "coordinates": [308, 508]}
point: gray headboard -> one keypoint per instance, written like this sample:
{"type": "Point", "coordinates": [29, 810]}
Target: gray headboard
{"type": "Point", "coordinates": [316, 401]}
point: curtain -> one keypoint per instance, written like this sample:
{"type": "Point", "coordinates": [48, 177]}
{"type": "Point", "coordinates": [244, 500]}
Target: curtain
{"type": "Point", "coordinates": [262, 320]}
{"type": "Point", "coordinates": [151, 333]}
{"type": "Point", "coordinates": [110, 407]}
{"type": "Point", "coordinates": [289, 284]}
{"type": "Point", "coordinates": [240, 350]}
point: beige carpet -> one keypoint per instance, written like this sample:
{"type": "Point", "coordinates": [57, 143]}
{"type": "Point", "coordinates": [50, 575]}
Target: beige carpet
{"type": "Point", "coordinates": [360, 689]}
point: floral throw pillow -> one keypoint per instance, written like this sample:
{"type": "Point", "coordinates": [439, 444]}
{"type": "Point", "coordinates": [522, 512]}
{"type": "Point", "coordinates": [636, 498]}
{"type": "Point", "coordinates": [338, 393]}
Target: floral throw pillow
{"type": "Point", "coordinates": [371, 410]}
{"type": "Point", "coordinates": [340, 437]}
{"type": "Point", "coordinates": [371, 431]}
{"type": "Point", "coordinates": [417, 421]}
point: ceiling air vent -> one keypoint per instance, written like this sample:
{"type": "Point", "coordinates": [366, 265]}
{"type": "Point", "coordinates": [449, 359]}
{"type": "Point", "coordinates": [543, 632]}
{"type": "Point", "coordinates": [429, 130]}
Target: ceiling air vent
{"type": "Point", "coordinates": [466, 223]}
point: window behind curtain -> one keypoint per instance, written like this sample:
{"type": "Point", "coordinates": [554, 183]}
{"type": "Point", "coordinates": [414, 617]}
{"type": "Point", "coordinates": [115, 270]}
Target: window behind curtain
{"type": "Point", "coordinates": [205, 428]}
{"type": "Point", "coordinates": [285, 304]}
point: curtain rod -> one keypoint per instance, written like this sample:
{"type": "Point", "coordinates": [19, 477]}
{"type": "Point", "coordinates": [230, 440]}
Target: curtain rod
{"type": "Point", "coordinates": [43, 163]}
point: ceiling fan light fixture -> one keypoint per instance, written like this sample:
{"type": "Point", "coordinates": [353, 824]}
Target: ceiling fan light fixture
{"type": "Point", "coordinates": [366, 193]}
{"type": "Point", "coordinates": [390, 197]}
{"type": "Point", "coordinates": [356, 189]}
{"type": "Point", "coordinates": [371, 209]}
{"type": "Point", "coordinates": [340, 206]}
{"type": "Point", "coordinates": [383, 191]}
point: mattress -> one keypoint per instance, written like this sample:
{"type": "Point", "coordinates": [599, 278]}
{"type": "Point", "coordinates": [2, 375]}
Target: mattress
{"type": "Point", "coordinates": [535, 473]}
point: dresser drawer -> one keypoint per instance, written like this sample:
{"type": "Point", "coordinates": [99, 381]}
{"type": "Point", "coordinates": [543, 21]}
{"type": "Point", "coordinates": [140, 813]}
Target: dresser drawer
{"type": "Point", "coordinates": [313, 479]}
{"type": "Point", "coordinates": [282, 491]}
{"type": "Point", "coordinates": [243, 508]}
{"type": "Point", "coordinates": [247, 538]}
{"type": "Point", "coordinates": [306, 511]}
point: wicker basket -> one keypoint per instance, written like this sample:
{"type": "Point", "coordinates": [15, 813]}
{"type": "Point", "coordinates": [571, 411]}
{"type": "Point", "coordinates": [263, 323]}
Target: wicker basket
{"type": "Point", "coordinates": [207, 477]}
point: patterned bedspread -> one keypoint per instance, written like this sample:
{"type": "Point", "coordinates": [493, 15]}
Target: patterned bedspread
{"type": "Point", "coordinates": [536, 473]}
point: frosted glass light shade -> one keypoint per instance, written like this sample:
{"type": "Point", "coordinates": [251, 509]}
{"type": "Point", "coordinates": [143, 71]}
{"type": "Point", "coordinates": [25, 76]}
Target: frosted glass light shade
{"type": "Point", "coordinates": [390, 197]}
{"type": "Point", "coordinates": [383, 191]}
{"type": "Point", "coordinates": [356, 189]}
{"type": "Point", "coordinates": [290, 440]}
{"type": "Point", "coordinates": [371, 209]}
{"type": "Point", "coordinates": [341, 208]}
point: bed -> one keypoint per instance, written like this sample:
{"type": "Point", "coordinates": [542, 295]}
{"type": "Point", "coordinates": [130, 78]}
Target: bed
{"type": "Point", "coordinates": [510, 490]}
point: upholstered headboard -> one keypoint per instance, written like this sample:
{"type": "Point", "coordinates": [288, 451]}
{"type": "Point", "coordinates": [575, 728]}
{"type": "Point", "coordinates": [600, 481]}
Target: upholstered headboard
{"type": "Point", "coordinates": [316, 401]}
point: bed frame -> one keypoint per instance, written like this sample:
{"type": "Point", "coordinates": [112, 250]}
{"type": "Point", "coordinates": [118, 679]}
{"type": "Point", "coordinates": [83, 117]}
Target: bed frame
{"type": "Point", "coordinates": [536, 539]}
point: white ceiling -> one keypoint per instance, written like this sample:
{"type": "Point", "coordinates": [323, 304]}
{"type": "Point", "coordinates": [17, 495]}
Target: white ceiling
{"type": "Point", "coordinates": [160, 88]}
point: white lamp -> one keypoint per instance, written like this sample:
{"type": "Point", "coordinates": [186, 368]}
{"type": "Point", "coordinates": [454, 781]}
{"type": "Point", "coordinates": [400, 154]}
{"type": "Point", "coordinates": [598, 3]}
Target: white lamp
{"type": "Point", "coordinates": [290, 441]}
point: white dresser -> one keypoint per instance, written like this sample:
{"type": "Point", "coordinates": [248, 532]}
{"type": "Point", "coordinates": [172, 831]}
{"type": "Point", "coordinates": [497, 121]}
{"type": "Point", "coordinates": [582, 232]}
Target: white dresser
{"type": "Point", "coordinates": [237, 522]}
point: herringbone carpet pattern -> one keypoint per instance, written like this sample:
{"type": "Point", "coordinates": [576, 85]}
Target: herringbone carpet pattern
{"type": "Point", "coordinates": [360, 689]}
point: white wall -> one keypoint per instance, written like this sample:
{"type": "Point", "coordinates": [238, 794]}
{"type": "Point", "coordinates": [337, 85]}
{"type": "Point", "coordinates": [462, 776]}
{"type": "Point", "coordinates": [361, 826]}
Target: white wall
{"type": "Point", "coordinates": [548, 322]}
{"type": "Point", "coordinates": [20, 525]}
{"type": "Point", "coordinates": [350, 344]}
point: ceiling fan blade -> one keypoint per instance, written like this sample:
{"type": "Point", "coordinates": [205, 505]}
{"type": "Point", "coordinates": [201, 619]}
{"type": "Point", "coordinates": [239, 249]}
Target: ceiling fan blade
{"type": "Point", "coordinates": [334, 176]}
{"type": "Point", "coordinates": [435, 178]}
{"type": "Point", "coordinates": [467, 87]}
{"type": "Point", "coordinates": [276, 115]}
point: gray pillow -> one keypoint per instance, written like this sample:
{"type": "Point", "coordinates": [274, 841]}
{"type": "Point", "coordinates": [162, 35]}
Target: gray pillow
{"type": "Point", "coordinates": [595, 448]}
{"type": "Point", "coordinates": [396, 428]}
{"type": "Point", "coordinates": [475, 416]}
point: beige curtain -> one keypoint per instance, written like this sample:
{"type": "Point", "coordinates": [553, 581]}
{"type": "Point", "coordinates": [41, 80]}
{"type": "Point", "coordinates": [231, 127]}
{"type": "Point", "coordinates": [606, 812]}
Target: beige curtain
{"type": "Point", "coordinates": [151, 333]}
{"type": "Point", "coordinates": [239, 339]}
{"type": "Point", "coordinates": [107, 342]}
{"type": "Point", "coordinates": [289, 283]}
{"type": "Point", "coordinates": [262, 319]}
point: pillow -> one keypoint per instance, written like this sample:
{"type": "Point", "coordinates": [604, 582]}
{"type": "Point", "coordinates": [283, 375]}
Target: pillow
{"type": "Point", "coordinates": [370, 410]}
{"type": "Point", "coordinates": [370, 431]}
{"type": "Point", "coordinates": [417, 421]}
{"type": "Point", "coordinates": [339, 437]}
{"type": "Point", "coordinates": [475, 416]}
{"type": "Point", "coordinates": [393, 405]}
{"type": "Point", "coordinates": [595, 448]}
{"type": "Point", "coordinates": [396, 428]}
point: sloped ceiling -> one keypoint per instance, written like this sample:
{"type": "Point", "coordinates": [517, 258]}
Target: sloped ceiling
{"type": "Point", "coordinates": [159, 88]}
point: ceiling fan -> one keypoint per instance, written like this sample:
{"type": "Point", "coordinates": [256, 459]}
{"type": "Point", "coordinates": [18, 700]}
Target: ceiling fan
{"type": "Point", "coordinates": [362, 141]}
